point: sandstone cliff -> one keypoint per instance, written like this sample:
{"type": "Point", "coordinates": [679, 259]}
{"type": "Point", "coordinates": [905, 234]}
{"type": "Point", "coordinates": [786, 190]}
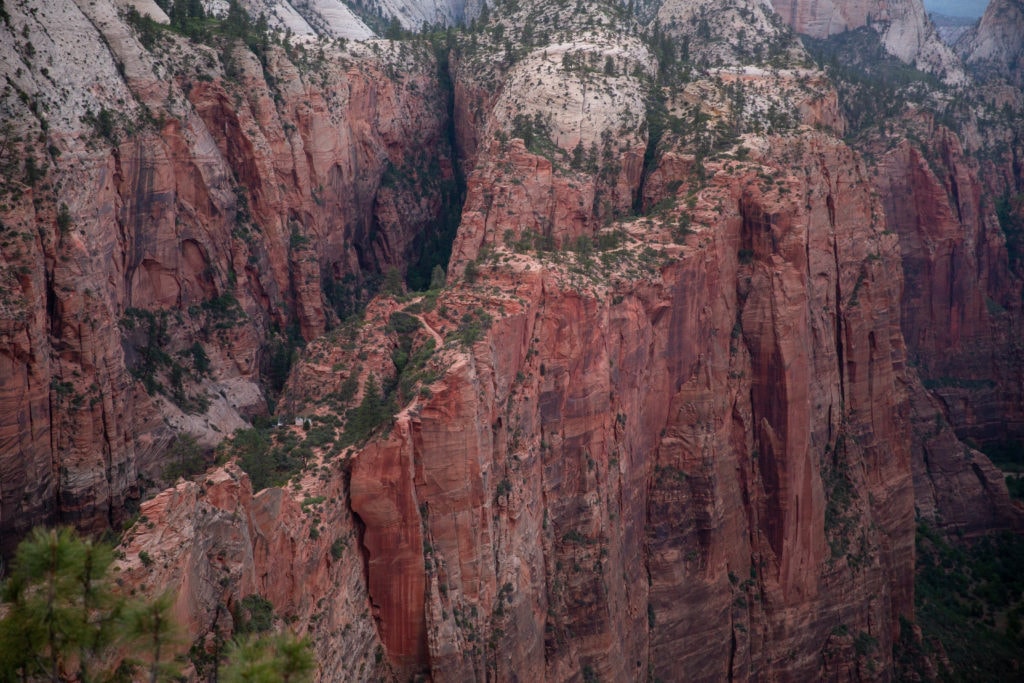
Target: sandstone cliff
{"type": "Point", "coordinates": [996, 43]}
{"type": "Point", "coordinates": [959, 295]}
{"type": "Point", "coordinates": [665, 420]}
{"type": "Point", "coordinates": [311, 18]}
{"type": "Point", "coordinates": [944, 164]}
{"type": "Point", "coordinates": [171, 215]}
{"type": "Point", "coordinates": [215, 543]}
{"type": "Point", "coordinates": [670, 424]}
{"type": "Point", "coordinates": [903, 25]}
{"type": "Point", "coordinates": [730, 367]}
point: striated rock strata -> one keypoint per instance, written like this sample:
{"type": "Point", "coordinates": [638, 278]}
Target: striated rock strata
{"type": "Point", "coordinates": [662, 422]}
{"type": "Point", "coordinates": [216, 543]}
{"type": "Point", "coordinates": [609, 483]}
{"type": "Point", "coordinates": [996, 43]}
{"type": "Point", "coordinates": [168, 220]}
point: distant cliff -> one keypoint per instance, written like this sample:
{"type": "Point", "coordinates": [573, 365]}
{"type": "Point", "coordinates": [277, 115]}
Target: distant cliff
{"type": "Point", "coordinates": [997, 43]}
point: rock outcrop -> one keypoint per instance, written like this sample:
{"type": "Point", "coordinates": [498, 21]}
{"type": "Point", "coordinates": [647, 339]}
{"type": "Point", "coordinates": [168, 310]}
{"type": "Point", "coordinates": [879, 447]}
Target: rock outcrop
{"type": "Point", "coordinates": [608, 476]}
{"type": "Point", "coordinates": [163, 214]}
{"type": "Point", "coordinates": [996, 43]}
{"type": "Point", "coordinates": [749, 383]}
{"type": "Point", "coordinates": [903, 26]}
{"type": "Point", "coordinates": [665, 420]}
{"type": "Point", "coordinates": [823, 19]}
{"type": "Point", "coordinates": [215, 544]}
{"type": "Point", "coordinates": [960, 307]}
{"type": "Point", "coordinates": [311, 18]}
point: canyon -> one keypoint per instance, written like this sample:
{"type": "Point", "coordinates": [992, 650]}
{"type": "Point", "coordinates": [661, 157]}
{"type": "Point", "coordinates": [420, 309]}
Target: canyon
{"type": "Point", "coordinates": [711, 347]}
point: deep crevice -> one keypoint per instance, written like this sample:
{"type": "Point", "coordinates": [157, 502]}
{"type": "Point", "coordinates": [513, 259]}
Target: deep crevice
{"type": "Point", "coordinates": [434, 244]}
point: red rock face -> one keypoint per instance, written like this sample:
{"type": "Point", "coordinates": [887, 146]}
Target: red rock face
{"type": "Point", "coordinates": [514, 193]}
{"type": "Point", "coordinates": [696, 454]}
{"type": "Point", "coordinates": [385, 500]}
{"type": "Point", "coordinates": [653, 472]}
{"type": "Point", "coordinates": [996, 43]}
{"type": "Point", "coordinates": [214, 543]}
{"type": "Point", "coordinates": [823, 19]}
{"type": "Point", "coordinates": [960, 309]}
{"type": "Point", "coordinates": [223, 218]}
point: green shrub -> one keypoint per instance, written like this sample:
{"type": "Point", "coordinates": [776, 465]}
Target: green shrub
{"type": "Point", "coordinates": [372, 412]}
{"type": "Point", "coordinates": [255, 614]}
{"type": "Point", "coordinates": [185, 458]}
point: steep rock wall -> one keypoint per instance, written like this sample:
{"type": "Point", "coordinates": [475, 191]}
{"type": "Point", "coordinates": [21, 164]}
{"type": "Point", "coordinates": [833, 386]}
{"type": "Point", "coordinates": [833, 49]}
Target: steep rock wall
{"type": "Point", "coordinates": [684, 444]}
{"type": "Point", "coordinates": [579, 480]}
{"type": "Point", "coordinates": [903, 26]}
{"type": "Point", "coordinates": [176, 204]}
{"type": "Point", "coordinates": [214, 543]}
{"type": "Point", "coordinates": [961, 306]}
{"type": "Point", "coordinates": [996, 43]}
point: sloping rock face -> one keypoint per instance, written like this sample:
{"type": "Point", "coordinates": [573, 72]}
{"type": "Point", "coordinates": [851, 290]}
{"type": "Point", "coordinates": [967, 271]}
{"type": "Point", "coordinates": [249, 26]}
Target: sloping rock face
{"type": "Point", "coordinates": [161, 219]}
{"type": "Point", "coordinates": [609, 481]}
{"type": "Point", "coordinates": [745, 32]}
{"type": "Point", "coordinates": [996, 43]}
{"type": "Point", "coordinates": [823, 19]}
{"type": "Point", "coordinates": [960, 309]}
{"type": "Point", "coordinates": [573, 92]}
{"type": "Point", "coordinates": [903, 25]}
{"type": "Point", "coordinates": [311, 18]}
{"type": "Point", "coordinates": [214, 544]}
{"type": "Point", "coordinates": [414, 14]}
{"type": "Point", "coordinates": [669, 451]}
{"type": "Point", "coordinates": [667, 427]}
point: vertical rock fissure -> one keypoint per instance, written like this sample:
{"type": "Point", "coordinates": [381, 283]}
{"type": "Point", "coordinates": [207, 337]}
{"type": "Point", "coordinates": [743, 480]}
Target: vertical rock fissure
{"type": "Point", "coordinates": [830, 203]}
{"type": "Point", "coordinates": [655, 129]}
{"type": "Point", "coordinates": [364, 552]}
{"type": "Point", "coordinates": [732, 647]}
{"type": "Point", "coordinates": [435, 244]}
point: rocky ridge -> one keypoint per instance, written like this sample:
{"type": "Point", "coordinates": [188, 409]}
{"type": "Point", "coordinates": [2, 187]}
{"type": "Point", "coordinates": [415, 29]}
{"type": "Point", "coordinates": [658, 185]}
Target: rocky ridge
{"type": "Point", "coordinates": [312, 18]}
{"type": "Point", "coordinates": [996, 43]}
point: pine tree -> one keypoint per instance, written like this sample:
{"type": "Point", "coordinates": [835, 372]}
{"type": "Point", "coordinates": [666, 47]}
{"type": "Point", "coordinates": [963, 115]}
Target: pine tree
{"type": "Point", "coordinates": [61, 619]}
{"type": "Point", "coordinates": [279, 658]}
{"type": "Point", "coordinates": [152, 627]}
{"type": "Point", "coordinates": [437, 278]}
{"type": "Point", "coordinates": [393, 284]}
{"type": "Point", "coordinates": [44, 617]}
{"type": "Point", "coordinates": [100, 609]}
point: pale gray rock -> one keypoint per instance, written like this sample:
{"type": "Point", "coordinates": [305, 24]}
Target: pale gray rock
{"type": "Point", "coordinates": [998, 41]}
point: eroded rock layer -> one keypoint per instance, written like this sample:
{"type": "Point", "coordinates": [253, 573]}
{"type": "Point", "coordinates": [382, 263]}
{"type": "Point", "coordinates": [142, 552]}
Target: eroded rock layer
{"type": "Point", "coordinates": [170, 225]}
{"type": "Point", "coordinates": [665, 419]}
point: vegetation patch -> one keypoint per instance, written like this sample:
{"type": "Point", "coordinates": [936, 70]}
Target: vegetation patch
{"type": "Point", "coordinates": [152, 361]}
{"type": "Point", "coordinates": [874, 87]}
{"type": "Point", "coordinates": [269, 460]}
{"type": "Point", "coordinates": [969, 604]}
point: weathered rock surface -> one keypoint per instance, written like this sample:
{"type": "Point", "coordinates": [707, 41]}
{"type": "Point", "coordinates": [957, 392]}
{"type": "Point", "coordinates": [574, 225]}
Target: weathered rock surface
{"type": "Point", "coordinates": [960, 309]}
{"type": "Point", "coordinates": [997, 43]}
{"type": "Point", "coordinates": [311, 18]}
{"type": "Point", "coordinates": [903, 25]}
{"type": "Point", "coordinates": [823, 19]}
{"type": "Point", "coordinates": [579, 481]}
{"type": "Point", "coordinates": [170, 217]}
{"type": "Point", "coordinates": [758, 381]}
{"type": "Point", "coordinates": [667, 427]}
{"type": "Point", "coordinates": [744, 32]}
{"type": "Point", "coordinates": [213, 543]}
